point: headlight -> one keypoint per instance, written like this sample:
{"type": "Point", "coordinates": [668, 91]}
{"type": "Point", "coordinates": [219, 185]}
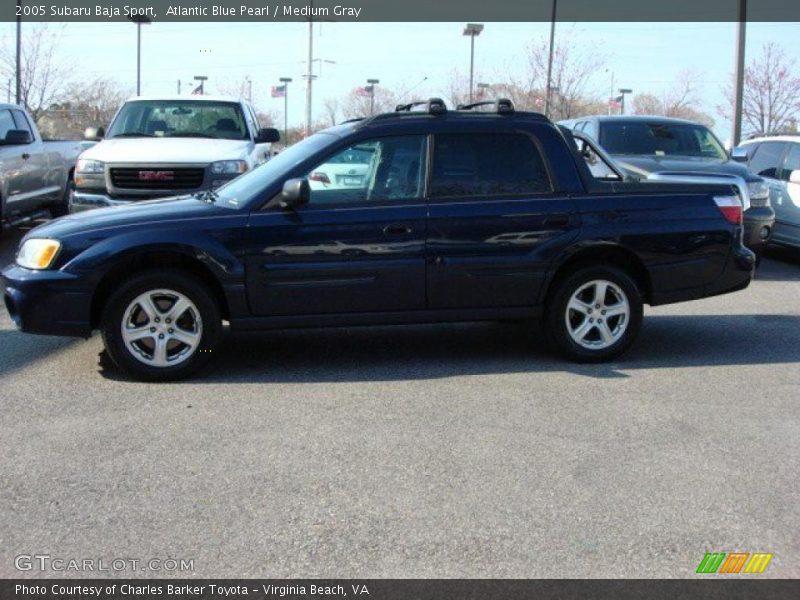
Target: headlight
{"type": "Point", "coordinates": [758, 190]}
{"type": "Point", "coordinates": [38, 253]}
{"type": "Point", "coordinates": [229, 167]}
{"type": "Point", "coordinates": [86, 165]}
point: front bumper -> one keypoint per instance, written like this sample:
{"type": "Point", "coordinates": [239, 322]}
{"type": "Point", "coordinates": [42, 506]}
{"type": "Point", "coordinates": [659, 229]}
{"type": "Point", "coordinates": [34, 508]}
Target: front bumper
{"type": "Point", "coordinates": [758, 226]}
{"type": "Point", "coordinates": [47, 302]}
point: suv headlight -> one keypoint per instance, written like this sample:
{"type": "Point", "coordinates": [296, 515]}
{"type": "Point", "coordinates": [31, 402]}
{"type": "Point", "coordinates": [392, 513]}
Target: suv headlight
{"type": "Point", "coordinates": [758, 190]}
{"type": "Point", "coordinates": [88, 166]}
{"type": "Point", "coordinates": [38, 253]}
{"type": "Point", "coordinates": [229, 167]}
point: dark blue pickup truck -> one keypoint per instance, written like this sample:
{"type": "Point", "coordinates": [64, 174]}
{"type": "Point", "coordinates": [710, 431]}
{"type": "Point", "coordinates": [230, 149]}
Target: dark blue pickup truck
{"type": "Point", "coordinates": [421, 215]}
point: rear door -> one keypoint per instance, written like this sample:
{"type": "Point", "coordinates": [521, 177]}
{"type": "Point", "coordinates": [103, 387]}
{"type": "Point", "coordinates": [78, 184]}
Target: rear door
{"type": "Point", "coordinates": [41, 183]}
{"type": "Point", "coordinates": [766, 161]}
{"type": "Point", "coordinates": [787, 205]}
{"type": "Point", "coordinates": [494, 215]}
{"type": "Point", "coordinates": [357, 246]}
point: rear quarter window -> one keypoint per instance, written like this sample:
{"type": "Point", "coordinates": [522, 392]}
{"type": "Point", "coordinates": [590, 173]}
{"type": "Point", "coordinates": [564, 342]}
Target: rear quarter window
{"type": "Point", "coordinates": [487, 164]}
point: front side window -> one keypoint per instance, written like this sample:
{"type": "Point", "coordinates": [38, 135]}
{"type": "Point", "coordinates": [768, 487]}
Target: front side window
{"type": "Point", "coordinates": [767, 159]}
{"type": "Point", "coordinates": [180, 118]}
{"type": "Point", "coordinates": [487, 164]}
{"type": "Point", "coordinates": [384, 169]}
{"type": "Point", "coordinates": [22, 121]}
{"type": "Point", "coordinates": [660, 139]}
{"type": "Point", "coordinates": [6, 123]}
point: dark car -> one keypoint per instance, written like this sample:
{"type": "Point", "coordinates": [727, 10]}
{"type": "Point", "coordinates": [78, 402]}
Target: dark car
{"type": "Point", "coordinates": [464, 216]}
{"type": "Point", "coordinates": [661, 147]}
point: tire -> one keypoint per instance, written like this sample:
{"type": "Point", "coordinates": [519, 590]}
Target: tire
{"type": "Point", "coordinates": [580, 330]}
{"type": "Point", "coordinates": [142, 338]}
{"type": "Point", "coordinates": [61, 208]}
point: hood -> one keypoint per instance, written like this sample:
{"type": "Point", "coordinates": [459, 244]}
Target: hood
{"type": "Point", "coordinates": [642, 166]}
{"type": "Point", "coordinates": [167, 150]}
{"type": "Point", "coordinates": [147, 212]}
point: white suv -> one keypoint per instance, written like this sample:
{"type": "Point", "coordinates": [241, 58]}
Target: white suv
{"type": "Point", "coordinates": [777, 160]}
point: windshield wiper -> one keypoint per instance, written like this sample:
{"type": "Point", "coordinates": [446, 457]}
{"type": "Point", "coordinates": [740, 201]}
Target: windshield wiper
{"type": "Point", "coordinates": [133, 134]}
{"type": "Point", "coordinates": [209, 196]}
{"type": "Point", "coordinates": [192, 134]}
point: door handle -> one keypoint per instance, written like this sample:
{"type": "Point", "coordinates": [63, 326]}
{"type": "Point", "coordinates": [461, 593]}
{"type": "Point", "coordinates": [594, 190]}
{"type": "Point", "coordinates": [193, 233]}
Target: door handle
{"type": "Point", "coordinates": [25, 156]}
{"type": "Point", "coordinates": [396, 230]}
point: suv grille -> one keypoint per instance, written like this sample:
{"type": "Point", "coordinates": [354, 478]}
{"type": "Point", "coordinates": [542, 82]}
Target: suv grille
{"type": "Point", "coordinates": [153, 178]}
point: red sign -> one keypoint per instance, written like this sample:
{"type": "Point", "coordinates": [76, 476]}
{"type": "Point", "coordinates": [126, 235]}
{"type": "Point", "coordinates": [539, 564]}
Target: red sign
{"type": "Point", "coordinates": [156, 175]}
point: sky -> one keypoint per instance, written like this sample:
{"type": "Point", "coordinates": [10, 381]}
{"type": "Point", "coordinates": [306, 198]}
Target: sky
{"type": "Point", "coordinates": [646, 57]}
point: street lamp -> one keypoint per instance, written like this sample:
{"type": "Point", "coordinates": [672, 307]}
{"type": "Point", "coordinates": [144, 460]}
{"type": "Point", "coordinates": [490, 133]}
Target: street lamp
{"type": "Point", "coordinates": [139, 20]}
{"type": "Point", "coordinates": [202, 79]}
{"type": "Point", "coordinates": [19, 52]}
{"type": "Point", "coordinates": [622, 92]}
{"type": "Point", "coordinates": [371, 87]}
{"type": "Point", "coordinates": [472, 29]}
{"type": "Point", "coordinates": [482, 87]}
{"type": "Point", "coordinates": [285, 81]}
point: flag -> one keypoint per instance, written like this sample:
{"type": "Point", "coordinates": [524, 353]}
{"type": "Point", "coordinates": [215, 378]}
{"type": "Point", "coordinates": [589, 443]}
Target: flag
{"type": "Point", "coordinates": [615, 103]}
{"type": "Point", "coordinates": [198, 91]}
{"type": "Point", "coordinates": [365, 91]}
{"type": "Point", "coordinates": [278, 91]}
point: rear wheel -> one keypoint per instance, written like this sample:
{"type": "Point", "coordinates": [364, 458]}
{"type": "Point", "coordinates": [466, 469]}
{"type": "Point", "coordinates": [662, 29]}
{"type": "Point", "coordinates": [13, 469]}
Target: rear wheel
{"type": "Point", "coordinates": [161, 325]}
{"type": "Point", "coordinates": [594, 314]}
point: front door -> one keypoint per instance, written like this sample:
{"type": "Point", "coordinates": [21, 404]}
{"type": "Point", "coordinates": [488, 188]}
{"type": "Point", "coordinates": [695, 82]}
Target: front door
{"type": "Point", "coordinates": [358, 245]}
{"type": "Point", "coordinates": [493, 216]}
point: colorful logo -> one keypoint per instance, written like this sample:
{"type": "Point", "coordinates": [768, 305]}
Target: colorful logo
{"type": "Point", "coordinates": [734, 562]}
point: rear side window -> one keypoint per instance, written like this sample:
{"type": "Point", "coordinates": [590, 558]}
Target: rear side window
{"type": "Point", "coordinates": [22, 121]}
{"type": "Point", "coordinates": [792, 161]}
{"type": "Point", "coordinates": [487, 164]}
{"type": "Point", "coordinates": [767, 159]}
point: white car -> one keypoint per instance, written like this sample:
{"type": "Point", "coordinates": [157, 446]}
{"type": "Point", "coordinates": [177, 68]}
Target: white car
{"type": "Point", "coordinates": [348, 169]}
{"type": "Point", "coordinates": [777, 160]}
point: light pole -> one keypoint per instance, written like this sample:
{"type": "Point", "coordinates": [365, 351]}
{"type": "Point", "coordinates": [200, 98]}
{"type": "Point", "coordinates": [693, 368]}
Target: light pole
{"type": "Point", "coordinates": [482, 87]}
{"type": "Point", "coordinates": [139, 20]}
{"type": "Point", "coordinates": [285, 81]}
{"type": "Point", "coordinates": [622, 92]}
{"type": "Point", "coordinates": [739, 84]}
{"type": "Point", "coordinates": [371, 87]}
{"type": "Point", "coordinates": [550, 60]}
{"type": "Point", "coordinates": [472, 29]}
{"type": "Point", "coordinates": [202, 79]}
{"type": "Point", "coordinates": [19, 52]}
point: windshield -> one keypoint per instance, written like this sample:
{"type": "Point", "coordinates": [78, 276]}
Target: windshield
{"type": "Point", "coordinates": [246, 187]}
{"type": "Point", "coordinates": [180, 118]}
{"type": "Point", "coordinates": [660, 139]}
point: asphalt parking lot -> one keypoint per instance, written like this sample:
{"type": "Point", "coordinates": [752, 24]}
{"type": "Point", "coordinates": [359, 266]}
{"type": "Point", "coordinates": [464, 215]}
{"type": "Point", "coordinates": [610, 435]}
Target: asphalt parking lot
{"type": "Point", "coordinates": [429, 451]}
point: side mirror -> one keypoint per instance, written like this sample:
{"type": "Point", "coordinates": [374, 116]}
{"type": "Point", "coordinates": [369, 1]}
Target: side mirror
{"type": "Point", "coordinates": [794, 176]}
{"type": "Point", "coordinates": [295, 193]}
{"type": "Point", "coordinates": [94, 134]}
{"type": "Point", "coordinates": [17, 137]}
{"type": "Point", "coordinates": [267, 135]}
{"type": "Point", "coordinates": [739, 154]}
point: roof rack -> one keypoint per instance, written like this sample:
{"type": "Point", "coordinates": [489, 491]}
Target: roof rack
{"type": "Point", "coordinates": [503, 106]}
{"type": "Point", "coordinates": [433, 106]}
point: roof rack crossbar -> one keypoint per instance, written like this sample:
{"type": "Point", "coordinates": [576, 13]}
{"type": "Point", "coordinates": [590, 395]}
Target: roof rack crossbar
{"type": "Point", "coordinates": [434, 106]}
{"type": "Point", "coordinates": [503, 106]}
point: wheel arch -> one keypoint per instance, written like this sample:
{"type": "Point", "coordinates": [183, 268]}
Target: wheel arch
{"type": "Point", "coordinates": [149, 259]}
{"type": "Point", "coordinates": [602, 254]}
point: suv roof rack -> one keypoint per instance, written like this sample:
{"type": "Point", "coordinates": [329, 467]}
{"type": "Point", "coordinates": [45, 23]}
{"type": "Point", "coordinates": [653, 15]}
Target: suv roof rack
{"type": "Point", "coordinates": [433, 106]}
{"type": "Point", "coordinates": [503, 106]}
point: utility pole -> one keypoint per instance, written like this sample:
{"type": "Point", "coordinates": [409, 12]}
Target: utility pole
{"type": "Point", "coordinates": [309, 74]}
{"type": "Point", "coordinates": [738, 93]}
{"type": "Point", "coordinates": [550, 60]}
{"type": "Point", "coordinates": [19, 52]}
{"type": "Point", "coordinates": [286, 81]}
{"type": "Point", "coordinates": [179, 87]}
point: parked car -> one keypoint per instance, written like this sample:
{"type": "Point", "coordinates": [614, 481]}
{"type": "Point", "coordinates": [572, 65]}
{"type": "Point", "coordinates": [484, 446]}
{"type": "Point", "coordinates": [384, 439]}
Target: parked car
{"type": "Point", "coordinates": [36, 175]}
{"type": "Point", "coordinates": [777, 160]}
{"type": "Point", "coordinates": [663, 148]}
{"type": "Point", "coordinates": [157, 147]}
{"type": "Point", "coordinates": [495, 216]}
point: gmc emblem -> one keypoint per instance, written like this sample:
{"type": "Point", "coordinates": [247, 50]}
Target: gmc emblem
{"type": "Point", "coordinates": [156, 175]}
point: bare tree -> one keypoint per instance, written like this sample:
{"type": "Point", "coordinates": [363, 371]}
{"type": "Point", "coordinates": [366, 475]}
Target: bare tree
{"type": "Point", "coordinates": [357, 104]}
{"type": "Point", "coordinates": [771, 101]}
{"type": "Point", "coordinates": [85, 104]}
{"type": "Point", "coordinates": [42, 77]}
{"type": "Point", "coordinates": [680, 100]}
{"type": "Point", "coordinates": [331, 110]}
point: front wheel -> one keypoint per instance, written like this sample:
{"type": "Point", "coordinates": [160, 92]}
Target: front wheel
{"type": "Point", "coordinates": [594, 314]}
{"type": "Point", "coordinates": [161, 325]}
